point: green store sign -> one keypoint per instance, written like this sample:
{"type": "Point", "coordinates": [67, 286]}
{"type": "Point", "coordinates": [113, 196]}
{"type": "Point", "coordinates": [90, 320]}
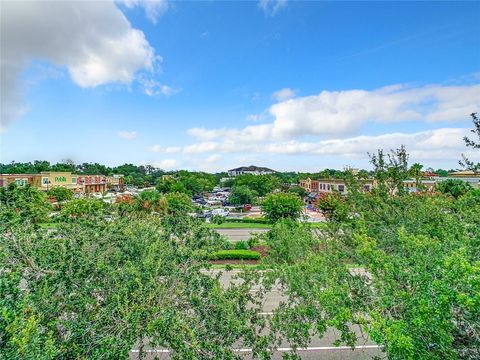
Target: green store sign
{"type": "Point", "coordinates": [60, 179]}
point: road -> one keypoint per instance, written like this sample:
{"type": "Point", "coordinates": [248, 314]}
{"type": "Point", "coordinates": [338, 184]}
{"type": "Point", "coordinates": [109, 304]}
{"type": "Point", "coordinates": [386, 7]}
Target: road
{"type": "Point", "coordinates": [239, 234]}
{"type": "Point", "coordinates": [319, 348]}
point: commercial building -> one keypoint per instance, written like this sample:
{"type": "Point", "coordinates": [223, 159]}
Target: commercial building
{"type": "Point", "coordinates": [92, 183]}
{"type": "Point", "coordinates": [330, 185]}
{"type": "Point", "coordinates": [115, 182]}
{"type": "Point", "coordinates": [470, 177]}
{"type": "Point", "coordinates": [47, 180]}
{"type": "Point", "coordinates": [19, 179]}
{"type": "Point", "coordinates": [254, 170]}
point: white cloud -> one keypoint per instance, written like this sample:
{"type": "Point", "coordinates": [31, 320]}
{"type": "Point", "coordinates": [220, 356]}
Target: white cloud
{"type": "Point", "coordinates": [154, 88]}
{"type": "Point", "coordinates": [153, 8]}
{"type": "Point", "coordinates": [213, 158]}
{"type": "Point", "coordinates": [344, 112]}
{"type": "Point", "coordinates": [165, 150]}
{"type": "Point", "coordinates": [340, 113]}
{"type": "Point", "coordinates": [444, 143]}
{"type": "Point", "coordinates": [284, 94]}
{"type": "Point", "coordinates": [93, 40]}
{"type": "Point", "coordinates": [128, 135]}
{"type": "Point", "coordinates": [166, 164]}
{"type": "Point", "coordinates": [271, 7]}
{"type": "Point", "coordinates": [254, 117]}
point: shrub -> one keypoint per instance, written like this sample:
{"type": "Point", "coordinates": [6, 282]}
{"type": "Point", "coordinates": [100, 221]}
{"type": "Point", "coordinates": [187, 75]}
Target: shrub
{"type": "Point", "coordinates": [235, 255]}
{"type": "Point", "coordinates": [242, 245]}
{"type": "Point", "coordinates": [217, 219]}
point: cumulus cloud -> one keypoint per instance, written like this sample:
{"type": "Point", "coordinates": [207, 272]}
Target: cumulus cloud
{"type": "Point", "coordinates": [271, 7]}
{"type": "Point", "coordinates": [127, 135]}
{"type": "Point", "coordinates": [441, 144]}
{"type": "Point", "coordinates": [93, 40]}
{"type": "Point", "coordinates": [166, 164]}
{"type": "Point", "coordinates": [153, 8]}
{"type": "Point", "coordinates": [165, 150]}
{"type": "Point", "coordinates": [284, 94]}
{"type": "Point", "coordinates": [341, 113]}
{"type": "Point", "coordinates": [213, 158]}
{"type": "Point", "coordinates": [344, 112]}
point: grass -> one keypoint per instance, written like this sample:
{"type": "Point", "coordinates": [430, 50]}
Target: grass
{"type": "Point", "coordinates": [49, 225]}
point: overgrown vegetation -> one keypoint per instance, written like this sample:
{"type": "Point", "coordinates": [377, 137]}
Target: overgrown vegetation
{"type": "Point", "coordinates": [107, 278]}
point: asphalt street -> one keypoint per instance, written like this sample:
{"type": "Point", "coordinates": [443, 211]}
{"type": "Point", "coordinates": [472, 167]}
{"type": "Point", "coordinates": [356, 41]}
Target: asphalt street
{"type": "Point", "coordinates": [318, 348]}
{"type": "Point", "coordinates": [239, 234]}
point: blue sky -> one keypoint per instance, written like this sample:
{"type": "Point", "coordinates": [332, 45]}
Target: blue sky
{"type": "Point", "coordinates": [214, 85]}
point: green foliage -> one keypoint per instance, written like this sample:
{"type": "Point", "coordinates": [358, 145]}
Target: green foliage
{"type": "Point", "coordinates": [81, 283]}
{"type": "Point", "coordinates": [190, 183]}
{"type": "Point", "coordinates": [474, 144]}
{"type": "Point", "coordinates": [301, 192]}
{"type": "Point", "coordinates": [235, 255]}
{"type": "Point", "coordinates": [217, 219]}
{"type": "Point", "coordinates": [18, 204]}
{"type": "Point", "coordinates": [453, 187]}
{"type": "Point", "coordinates": [260, 184]}
{"type": "Point", "coordinates": [333, 206]}
{"type": "Point", "coordinates": [83, 207]}
{"type": "Point", "coordinates": [241, 195]}
{"type": "Point", "coordinates": [242, 245]}
{"type": "Point", "coordinates": [178, 204]}
{"type": "Point", "coordinates": [151, 201]}
{"type": "Point", "coordinates": [290, 242]}
{"type": "Point", "coordinates": [60, 193]}
{"type": "Point", "coordinates": [282, 206]}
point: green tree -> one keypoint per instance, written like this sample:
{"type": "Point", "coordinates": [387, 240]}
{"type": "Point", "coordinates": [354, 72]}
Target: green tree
{"type": "Point", "coordinates": [298, 190]}
{"type": "Point", "coordinates": [60, 193]}
{"type": "Point", "coordinates": [282, 206]}
{"type": "Point", "coordinates": [178, 204]}
{"type": "Point", "coordinates": [81, 286]}
{"type": "Point", "coordinates": [151, 200]}
{"type": "Point", "coordinates": [261, 184]}
{"type": "Point", "coordinates": [453, 187]}
{"type": "Point", "coordinates": [26, 203]}
{"type": "Point", "coordinates": [84, 207]}
{"type": "Point", "coordinates": [416, 172]}
{"type": "Point", "coordinates": [241, 195]}
{"type": "Point", "coordinates": [474, 144]}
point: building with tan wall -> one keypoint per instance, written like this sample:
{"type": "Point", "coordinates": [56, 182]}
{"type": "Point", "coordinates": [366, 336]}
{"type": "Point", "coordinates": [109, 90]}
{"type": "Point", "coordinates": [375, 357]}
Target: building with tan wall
{"type": "Point", "coordinates": [47, 180]}
{"type": "Point", "coordinates": [331, 185]}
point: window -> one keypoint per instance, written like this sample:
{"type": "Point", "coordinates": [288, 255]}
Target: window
{"type": "Point", "coordinates": [74, 180]}
{"type": "Point", "coordinates": [341, 188]}
{"type": "Point", "coordinates": [45, 181]}
{"type": "Point", "coordinates": [20, 182]}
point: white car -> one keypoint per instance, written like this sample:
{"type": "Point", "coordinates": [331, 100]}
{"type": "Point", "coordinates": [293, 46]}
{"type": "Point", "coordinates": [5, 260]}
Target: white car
{"type": "Point", "coordinates": [220, 212]}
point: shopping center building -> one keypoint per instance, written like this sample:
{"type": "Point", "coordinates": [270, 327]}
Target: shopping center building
{"type": "Point", "coordinates": [47, 180]}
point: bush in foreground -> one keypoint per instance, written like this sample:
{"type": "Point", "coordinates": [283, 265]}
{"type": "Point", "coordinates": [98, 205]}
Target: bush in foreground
{"type": "Point", "coordinates": [235, 255]}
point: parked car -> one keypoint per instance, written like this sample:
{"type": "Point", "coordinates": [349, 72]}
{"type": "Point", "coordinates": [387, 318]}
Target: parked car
{"type": "Point", "coordinates": [220, 212]}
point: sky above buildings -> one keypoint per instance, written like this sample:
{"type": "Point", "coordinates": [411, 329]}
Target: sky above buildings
{"type": "Point", "coordinates": [215, 85]}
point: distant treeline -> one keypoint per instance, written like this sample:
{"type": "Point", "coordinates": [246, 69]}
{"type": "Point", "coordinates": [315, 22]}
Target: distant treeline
{"type": "Point", "coordinates": [146, 175]}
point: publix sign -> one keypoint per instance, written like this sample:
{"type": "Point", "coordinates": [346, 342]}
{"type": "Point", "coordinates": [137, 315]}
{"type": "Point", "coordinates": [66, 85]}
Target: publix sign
{"type": "Point", "coordinates": [60, 179]}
